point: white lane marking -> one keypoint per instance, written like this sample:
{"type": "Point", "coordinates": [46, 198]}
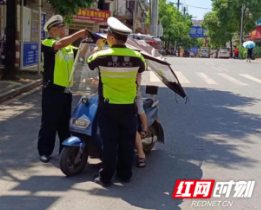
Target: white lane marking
{"type": "Point", "coordinates": [223, 69]}
{"type": "Point", "coordinates": [231, 79]}
{"type": "Point", "coordinates": [212, 64]}
{"type": "Point", "coordinates": [181, 77]}
{"type": "Point", "coordinates": [206, 78]}
{"type": "Point", "coordinates": [216, 68]}
{"type": "Point", "coordinates": [251, 78]}
{"type": "Point", "coordinates": [153, 77]}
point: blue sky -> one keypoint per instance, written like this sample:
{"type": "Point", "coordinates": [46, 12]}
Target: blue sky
{"type": "Point", "coordinates": [198, 13]}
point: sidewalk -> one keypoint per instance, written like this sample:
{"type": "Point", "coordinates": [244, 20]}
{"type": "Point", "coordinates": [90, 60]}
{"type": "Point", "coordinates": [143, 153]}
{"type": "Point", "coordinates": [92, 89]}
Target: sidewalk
{"type": "Point", "coordinates": [26, 81]}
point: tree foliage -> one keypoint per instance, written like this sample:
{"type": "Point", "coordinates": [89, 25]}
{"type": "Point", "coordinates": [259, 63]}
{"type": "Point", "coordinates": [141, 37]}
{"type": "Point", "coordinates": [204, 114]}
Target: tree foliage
{"type": "Point", "coordinates": [68, 8]}
{"type": "Point", "coordinates": [176, 26]}
{"type": "Point", "coordinates": [218, 35]}
{"type": "Point", "coordinates": [257, 52]}
{"type": "Point", "coordinates": [224, 22]}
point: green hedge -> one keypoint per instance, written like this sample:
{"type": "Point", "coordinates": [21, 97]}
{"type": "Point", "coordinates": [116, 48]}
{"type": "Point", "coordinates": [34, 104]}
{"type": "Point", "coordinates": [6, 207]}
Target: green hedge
{"type": "Point", "coordinates": [242, 53]}
{"type": "Point", "coordinates": [257, 52]}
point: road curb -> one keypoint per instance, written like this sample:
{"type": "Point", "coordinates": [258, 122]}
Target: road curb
{"type": "Point", "coordinates": [17, 91]}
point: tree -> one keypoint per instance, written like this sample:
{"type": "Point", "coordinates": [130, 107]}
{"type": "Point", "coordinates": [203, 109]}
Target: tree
{"type": "Point", "coordinates": [10, 70]}
{"type": "Point", "coordinates": [189, 42]}
{"type": "Point", "coordinates": [225, 19]}
{"type": "Point", "coordinates": [176, 26]}
{"type": "Point", "coordinates": [218, 35]}
{"type": "Point", "coordinates": [68, 8]}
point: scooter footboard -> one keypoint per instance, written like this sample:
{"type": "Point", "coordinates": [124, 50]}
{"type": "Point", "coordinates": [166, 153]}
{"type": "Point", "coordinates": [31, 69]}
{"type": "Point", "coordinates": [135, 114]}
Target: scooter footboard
{"type": "Point", "coordinates": [72, 141]}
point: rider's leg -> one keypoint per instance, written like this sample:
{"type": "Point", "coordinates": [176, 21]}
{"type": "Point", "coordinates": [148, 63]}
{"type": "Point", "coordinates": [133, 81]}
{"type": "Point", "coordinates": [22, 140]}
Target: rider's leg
{"type": "Point", "coordinates": [143, 119]}
{"type": "Point", "coordinates": [138, 144]}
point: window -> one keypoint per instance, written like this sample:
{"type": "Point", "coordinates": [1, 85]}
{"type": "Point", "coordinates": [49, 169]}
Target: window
{"type": "Point", "coordinates": [100, 4]}
{"type": "Point", "coordinates": [106, 7]}
{"type": "Point", "coordinates": [130, 5]}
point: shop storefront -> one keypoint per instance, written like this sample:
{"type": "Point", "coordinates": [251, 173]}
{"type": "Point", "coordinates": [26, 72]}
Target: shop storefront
{"type": "Point", "coordinates": [93, 19]}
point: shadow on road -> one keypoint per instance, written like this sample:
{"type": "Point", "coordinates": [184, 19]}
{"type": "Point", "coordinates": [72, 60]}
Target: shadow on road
{"type": "Point", "coordinates": [152, 187]}
{"type": "Point", "coordinates": [211, 127]}
{"type": "Point", "coordinates": [194, 133]}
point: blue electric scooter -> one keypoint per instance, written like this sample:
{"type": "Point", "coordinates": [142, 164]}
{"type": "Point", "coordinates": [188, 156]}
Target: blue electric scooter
{"type": "Point", "coordinates": [86, 140]}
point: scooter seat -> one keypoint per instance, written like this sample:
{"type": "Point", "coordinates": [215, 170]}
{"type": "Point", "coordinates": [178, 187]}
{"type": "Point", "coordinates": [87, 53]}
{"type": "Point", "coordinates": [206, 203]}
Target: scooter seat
{"type": "Point", "coordinates": [147, 103]}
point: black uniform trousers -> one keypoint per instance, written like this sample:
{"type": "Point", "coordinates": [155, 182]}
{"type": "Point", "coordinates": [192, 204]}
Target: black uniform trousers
{"type": "Point", "coordinates": [56, 113]}
{"type": "Point", "coordinates": [118, 131]}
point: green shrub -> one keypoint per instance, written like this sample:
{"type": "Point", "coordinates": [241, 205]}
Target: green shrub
{"type": "Point", "coordinates": [242, 53]}
{"type": "Point", "coordinates": [257, 52]}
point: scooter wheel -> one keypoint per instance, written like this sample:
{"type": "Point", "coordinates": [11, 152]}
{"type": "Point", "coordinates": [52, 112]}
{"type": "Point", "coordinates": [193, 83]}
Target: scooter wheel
{"type": "Point", "coordinates": [148, 147]}
{"type": "Point", "coordinates": [67, 161]}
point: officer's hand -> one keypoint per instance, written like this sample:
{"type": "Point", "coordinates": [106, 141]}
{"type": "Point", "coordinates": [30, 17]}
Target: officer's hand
{"type": "Point", "coordinates": [100, 43]}
{"type": "Point", "coordinates": [83, 33]}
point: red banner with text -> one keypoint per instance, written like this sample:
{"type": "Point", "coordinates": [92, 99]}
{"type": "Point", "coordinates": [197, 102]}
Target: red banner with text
{"type": "Point", "coordinates": [93, 15]}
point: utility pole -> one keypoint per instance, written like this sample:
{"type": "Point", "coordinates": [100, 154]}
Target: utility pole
{"type": "Point", "coordinates": [154, 17]}
{"type": "Point", "coordinates": [10, 40]}
{"type": "Point", "coordinates": [134, 15]}
{"type": "Point", "coordinates": [242, 22]}
{"type": "Point", "coordinates": [178, 4]}
{"type": "Point", "coordinates": [39, 36]}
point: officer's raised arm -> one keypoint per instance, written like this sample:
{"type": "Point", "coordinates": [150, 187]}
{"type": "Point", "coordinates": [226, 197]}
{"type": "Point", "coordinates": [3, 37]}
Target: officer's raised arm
{"type": "Point", "coordinates": [55, 27]}
{"type": "Point", "coordinates": [70, 39]}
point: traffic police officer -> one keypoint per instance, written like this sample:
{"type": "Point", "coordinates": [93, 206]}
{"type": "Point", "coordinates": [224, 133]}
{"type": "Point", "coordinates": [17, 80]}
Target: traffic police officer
{"type": "Point", "coordinates": [118, 67]}
{"type": "Point", "coordinates": [58, 59]}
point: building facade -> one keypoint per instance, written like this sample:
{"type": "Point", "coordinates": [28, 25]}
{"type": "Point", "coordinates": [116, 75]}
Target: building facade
{"type": "Point", "coordinates": [125, 11]}
{"type": "Point", "coordinates": [30, 23]}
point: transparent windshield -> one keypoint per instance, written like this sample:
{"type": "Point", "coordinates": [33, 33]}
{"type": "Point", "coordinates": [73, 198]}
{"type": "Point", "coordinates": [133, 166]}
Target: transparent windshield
{"type": "Point", "coordinates": [157, 39]}
{"type": "Point", "coordinates": [82, 80]}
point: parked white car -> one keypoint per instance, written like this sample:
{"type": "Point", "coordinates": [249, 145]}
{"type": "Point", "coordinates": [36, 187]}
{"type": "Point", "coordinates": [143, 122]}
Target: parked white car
{"type": "Point", "coordinates": [223, 53]}
{"type": "Point", "coordinates": [204, 52]}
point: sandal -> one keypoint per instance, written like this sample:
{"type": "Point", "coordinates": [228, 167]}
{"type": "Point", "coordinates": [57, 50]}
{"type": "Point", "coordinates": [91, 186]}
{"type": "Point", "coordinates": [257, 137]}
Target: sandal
{"type": "Point", "coordinates": [143, 133]}
{"type": "Point", "coordinates": [141, 162]}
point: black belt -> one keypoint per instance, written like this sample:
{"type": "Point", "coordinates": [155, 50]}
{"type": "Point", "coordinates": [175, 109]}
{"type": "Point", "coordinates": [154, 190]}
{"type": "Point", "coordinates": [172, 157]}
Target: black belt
{"type": "Point", "coordinates": [53, 87]}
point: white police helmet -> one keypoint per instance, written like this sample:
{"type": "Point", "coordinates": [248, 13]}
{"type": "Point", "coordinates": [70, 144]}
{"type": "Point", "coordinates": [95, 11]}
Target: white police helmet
{"type": "Point", "coordinates": [54, 21]}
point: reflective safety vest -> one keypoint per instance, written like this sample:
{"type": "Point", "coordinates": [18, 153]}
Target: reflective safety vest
{"type": "Point", "coordinates": [118, 68]}
{"type": "Point", "coordinates": [57, 66]}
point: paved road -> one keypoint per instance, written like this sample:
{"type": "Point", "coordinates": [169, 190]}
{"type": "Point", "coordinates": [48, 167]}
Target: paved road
{"type": "Point", "coordinates": [214, 136]}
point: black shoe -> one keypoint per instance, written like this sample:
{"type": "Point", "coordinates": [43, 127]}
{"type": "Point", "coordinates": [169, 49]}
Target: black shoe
{"type": "Point", "coordinates": [44, 158]}
{"type": "Point", "coordinates": [126, 180]}
{"type": "Point", "coordinates": [98, 180]}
